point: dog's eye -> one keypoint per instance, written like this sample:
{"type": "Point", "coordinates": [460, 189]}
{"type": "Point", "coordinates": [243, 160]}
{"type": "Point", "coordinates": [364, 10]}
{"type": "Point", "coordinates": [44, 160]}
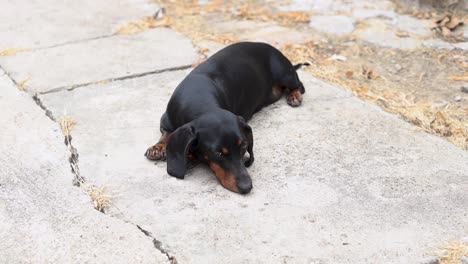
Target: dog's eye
{"type": "Point", "coordinates": [219, 154]}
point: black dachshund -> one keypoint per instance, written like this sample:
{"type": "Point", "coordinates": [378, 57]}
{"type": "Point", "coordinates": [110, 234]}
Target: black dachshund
{"type": "Point", "coordinates": [206, 116]}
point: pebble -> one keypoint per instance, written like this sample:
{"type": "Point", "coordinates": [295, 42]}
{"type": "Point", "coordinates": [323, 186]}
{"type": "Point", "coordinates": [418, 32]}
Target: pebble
{"type": "Point", "coordinates": [457, 98]}
{"type": "Point", "coordinates": [464, 260]}
{"type": "Point", "coordinates": [464, 89]}
{"type": "Point", "coordinates": [338, 57]}
{"type": "Point", "coordinates": [439, 104]}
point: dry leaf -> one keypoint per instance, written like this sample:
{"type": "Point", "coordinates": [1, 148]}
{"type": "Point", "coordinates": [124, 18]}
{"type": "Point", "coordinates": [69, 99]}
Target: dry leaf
{"type": "Point", "coordinates": [369, 73]}
{"type": "Point", "coordinates": [349, 74]}
{"type": "Point", "coordinates": [401, 34]}
{"type": "Point", "coordinates": [446, 32]}
{"type": "Point", "coordinates": [463, 77]}
{"type": "Point", "coordinates": [454, 23]}
{"type": "Point", "coordinates": [143, 24]}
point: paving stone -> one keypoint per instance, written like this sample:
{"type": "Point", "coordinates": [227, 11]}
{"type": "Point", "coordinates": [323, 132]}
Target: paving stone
{"type": "Point", "coordinates": [438, 44]}
{"type": "Point", "coordinates": [380, 34]}
{"type": "Point", "coordinates": [35, 23]}
{"type": "Point", "coordinates": [100, 59]}
{"type": "Point", "coordinates": [362, 13]}
{"type": "Point", "coordinates": [414, 26]}
{"type": "Point", "coordinates": [43, 218]}
{"type": "Point", "coordinates": [339, 188]}
{"type": "Point", "coordinates": [337, 25]}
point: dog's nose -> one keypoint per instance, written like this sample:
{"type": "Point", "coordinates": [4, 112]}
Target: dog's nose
{"type": "Point", "coordinates": [244, 187]}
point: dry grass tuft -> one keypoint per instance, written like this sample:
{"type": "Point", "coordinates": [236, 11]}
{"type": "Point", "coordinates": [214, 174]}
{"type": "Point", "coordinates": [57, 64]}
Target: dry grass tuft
{"type": "Point", "coordinates": [143, 24]}
{"type": "Point", "coordinates": [101, 197]}
{"type": "Point", "coordinates": [368, 85]}
{"type": "Point", "coordinates": [192, 20]}
{"type": "Point", "coordinates": [22, 83]}
{"type": "Point", "coordinates": [462, 77]}
{"type": "Point", "coordinates": [66, 124]}
{"type": "Point", "coordinates": [257, 13]}
{"type": "Point", "coordinates": [451, 252]}
{"type": "Point", "coordinates": [11, 51]}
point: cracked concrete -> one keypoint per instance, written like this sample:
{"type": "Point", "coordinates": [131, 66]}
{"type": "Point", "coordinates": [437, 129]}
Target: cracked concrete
{"type": "Point", "coordinates": [100, 59]}
{"type": "Point", "coordinates": [43, 219]}
{"type": "Point", "coordinates": [341, 185]}
{"type": "Point", "coordinates": [136, 75]}
{"type": "Point", "coordinates": [33, 24]}
{"type": "Point", "coordinates": [348, 184]}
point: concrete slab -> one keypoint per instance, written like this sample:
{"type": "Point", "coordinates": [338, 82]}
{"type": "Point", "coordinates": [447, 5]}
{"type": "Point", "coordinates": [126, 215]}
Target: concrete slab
{"type": "Point", "coordinates": [380, 34]}
{"type": "Point", "coordinates": [34, 23]}
{"type": "Point", "coordinates": [43, 218]}
{"type": "Point", "coordinates": [100, 59]}
{"type": "Point", "coordinates": [363, 13]}
{"type": "Point", "coordinates": [337, 25]}
{"type": "Point", "coordinates": [414, 26]}
{"type": "Point", "coordinates": [247, 30]}
{"type": "Point", "coordinates": [336, 180]}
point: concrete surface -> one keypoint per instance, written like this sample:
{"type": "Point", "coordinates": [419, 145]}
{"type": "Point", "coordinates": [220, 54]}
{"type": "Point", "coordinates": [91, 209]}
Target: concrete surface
{"type": "Point", "coordinates": [379, 19]}
{"type": "Point", "coordinates": [246, 30]}
{"type": "Point", "coordinates": [99, 59]}
{"type": "Point", "coordinates": [34, 24]}
{"type": "Point", "coordinates": [43, 218]}
{"type": "Point", "coordinates": [338, 25]}
{"type": "Point", "coordinates": [336, 180]}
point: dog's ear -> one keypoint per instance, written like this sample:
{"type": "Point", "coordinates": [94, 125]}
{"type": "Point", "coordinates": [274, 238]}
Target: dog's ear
{"type": "Point", "coordinates": [177, 148]}
{"type": "Point", "coordinates": [248, 134]}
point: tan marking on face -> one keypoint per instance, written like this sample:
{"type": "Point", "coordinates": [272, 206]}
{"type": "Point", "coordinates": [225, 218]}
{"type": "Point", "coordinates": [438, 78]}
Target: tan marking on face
{"type": "Point", "coordinates": [225, 151]}
{"type": "Point", "coordinates": [205, 157]}
{"type": "Point", "coordinates": [225, 177]}
{"type": "Point", "coordinates": [277, 90]}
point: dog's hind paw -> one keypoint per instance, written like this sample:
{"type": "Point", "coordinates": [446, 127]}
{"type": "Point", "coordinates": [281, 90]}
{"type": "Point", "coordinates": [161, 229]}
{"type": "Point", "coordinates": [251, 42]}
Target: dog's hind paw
{"type": "Point", "coordinates": [156, 152]}
{"type": "Point", "coordinates": [294, 98]}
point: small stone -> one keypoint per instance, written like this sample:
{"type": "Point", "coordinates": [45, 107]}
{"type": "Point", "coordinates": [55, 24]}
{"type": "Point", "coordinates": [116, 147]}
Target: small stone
{"type": "Point", "coordinates": [338, 57]}
{"type": "Point", "coordinates": [457, 98]}
{"type": "Point", "coordinates": [439, 104]}
{"type": "Point", "coordinates": [464, 89]}
{"type": "Point", "coordinates": [464, 260]}
{"type": "Point", "coordinates": [430, 260]}
{"type": "Point", "coordinates": [398, 67]}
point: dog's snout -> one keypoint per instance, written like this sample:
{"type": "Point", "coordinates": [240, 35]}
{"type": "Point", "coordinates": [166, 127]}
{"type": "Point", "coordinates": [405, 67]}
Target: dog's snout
{"type": "Point", "coordinates": [244, 187]}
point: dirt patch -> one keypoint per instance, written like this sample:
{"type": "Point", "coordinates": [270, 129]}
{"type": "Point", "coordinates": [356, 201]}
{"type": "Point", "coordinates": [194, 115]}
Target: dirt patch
{"type": "Point", "coordinates": [451, 252]}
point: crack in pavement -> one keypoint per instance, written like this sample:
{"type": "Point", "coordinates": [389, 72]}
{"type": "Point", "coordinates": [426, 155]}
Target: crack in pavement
{"type": "Point", "coordinates": [79, 180]}
{"type": "Point", "coordinates": [48, 113]}
{"type": "Point", "coordinates": [126, 77]}
{"type": "Point", "coordinates": [157, 244]}
{"type": "Point", "coordinates": [72, 42]}
{"type": "Point", "coordinates": [67, 43]}
{"type": "Point", "coordinates": [9, 76]}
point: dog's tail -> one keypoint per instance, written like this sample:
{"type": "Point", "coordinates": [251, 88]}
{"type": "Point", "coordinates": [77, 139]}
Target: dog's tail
{"type": "Point", "coordinates": [299, 65]}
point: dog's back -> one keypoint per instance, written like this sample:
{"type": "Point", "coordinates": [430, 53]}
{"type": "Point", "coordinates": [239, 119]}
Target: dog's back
{"type": "Point", "coordinates": [239, 78]}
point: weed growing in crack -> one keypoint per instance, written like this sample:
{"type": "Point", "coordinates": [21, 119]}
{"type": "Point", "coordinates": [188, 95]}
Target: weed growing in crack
{"type": "Point", "coordinates": [101, 197]}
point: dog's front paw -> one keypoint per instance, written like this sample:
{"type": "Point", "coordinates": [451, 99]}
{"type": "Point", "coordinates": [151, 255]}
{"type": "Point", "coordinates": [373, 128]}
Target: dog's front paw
{"type": "Point", "coordinates": [294, 98]}
{"type": "Point", "coordinates": [156, 152]}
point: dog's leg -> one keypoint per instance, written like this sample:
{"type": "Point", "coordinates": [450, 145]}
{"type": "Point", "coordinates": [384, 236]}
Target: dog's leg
{"type": "Point", "coordinates": [158, 151]}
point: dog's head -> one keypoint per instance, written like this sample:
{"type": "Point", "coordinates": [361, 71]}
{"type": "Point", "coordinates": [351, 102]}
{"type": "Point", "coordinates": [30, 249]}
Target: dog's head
{"type": "Point", "coordinates": [219, 139]}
